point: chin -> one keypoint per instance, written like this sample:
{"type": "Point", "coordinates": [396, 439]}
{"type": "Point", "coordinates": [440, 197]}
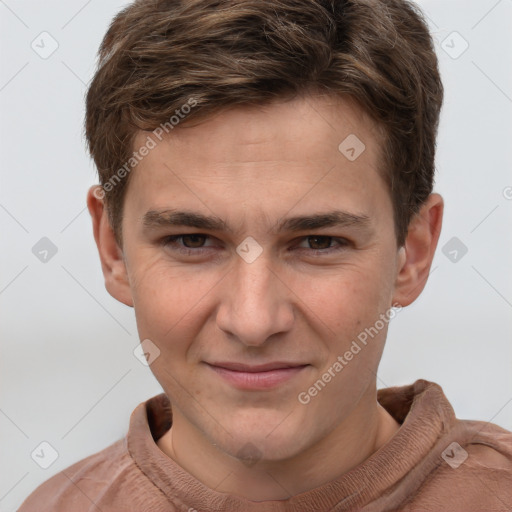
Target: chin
{"type": "Point", "coordinates": [268, 436]}
{"type": "Point", "coordinates": [253, 449]}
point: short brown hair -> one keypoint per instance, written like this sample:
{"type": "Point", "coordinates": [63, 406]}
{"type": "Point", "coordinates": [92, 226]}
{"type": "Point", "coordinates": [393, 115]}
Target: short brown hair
{"type": "Point", "coordinates": [160, 55]}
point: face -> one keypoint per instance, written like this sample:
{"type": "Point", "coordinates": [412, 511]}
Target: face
{"type": "Point", "coordinates": [250, 303]}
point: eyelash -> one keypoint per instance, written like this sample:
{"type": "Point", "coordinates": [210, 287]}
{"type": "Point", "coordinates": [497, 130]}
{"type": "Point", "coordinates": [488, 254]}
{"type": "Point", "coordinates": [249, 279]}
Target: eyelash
{"type": "Point", "coordinates": [169, 241]}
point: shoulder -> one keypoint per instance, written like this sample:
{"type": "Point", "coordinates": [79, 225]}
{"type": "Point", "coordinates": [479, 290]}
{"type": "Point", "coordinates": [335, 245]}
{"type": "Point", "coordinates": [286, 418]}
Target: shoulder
{"type": "Point", "coordinates": [489, 452]}
{"type": "Point", "coordinates": [102, 478]}
{"type": "Point", "coordinates": [474, 470]}
{"type": "Point", "coordinates": [488, 447]}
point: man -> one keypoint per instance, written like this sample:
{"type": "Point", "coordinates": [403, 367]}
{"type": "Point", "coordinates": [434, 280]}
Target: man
{"type": "Point", "coordinates": [266, 208]}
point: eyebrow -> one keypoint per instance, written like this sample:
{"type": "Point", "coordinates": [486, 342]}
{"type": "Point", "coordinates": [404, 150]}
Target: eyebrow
{"type": "Point", "coordinates": [337, 218]}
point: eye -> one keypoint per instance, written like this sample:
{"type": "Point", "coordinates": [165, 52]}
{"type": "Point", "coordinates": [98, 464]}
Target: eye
{"type": "Point", "coordinates": [322, 243]}
{"type": "Point", "coordinates": [194, 244]}
{"type": "Point", "coordinates": [186, 244]}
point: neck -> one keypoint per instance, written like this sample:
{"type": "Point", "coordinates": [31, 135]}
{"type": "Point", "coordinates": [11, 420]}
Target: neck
{"type": "Point", "coordinates": [363, 432]}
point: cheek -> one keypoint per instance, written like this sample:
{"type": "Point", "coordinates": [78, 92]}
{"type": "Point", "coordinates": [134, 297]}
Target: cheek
{"type": "Point", "coordinates": [173, 303]}
{"type": "Point", "coordinates": [346, 297]}
{"type": "Point", "coordinates": [169, 301]}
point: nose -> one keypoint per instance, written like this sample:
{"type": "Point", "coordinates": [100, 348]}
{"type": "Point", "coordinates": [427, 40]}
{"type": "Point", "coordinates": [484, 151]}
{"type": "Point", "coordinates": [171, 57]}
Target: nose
{"type": "Point", "coordinates": [256, 303]}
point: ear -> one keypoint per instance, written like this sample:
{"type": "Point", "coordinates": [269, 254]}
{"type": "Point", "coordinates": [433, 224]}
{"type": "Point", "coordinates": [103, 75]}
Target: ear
{"type": "Point", "coordinates": [415, 258]}
{"type": "Point", "coordinates": [111, 255]}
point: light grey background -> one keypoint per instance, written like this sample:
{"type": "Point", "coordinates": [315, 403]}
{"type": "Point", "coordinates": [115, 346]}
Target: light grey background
{"type": "Point", "coordinates": [68, 373]}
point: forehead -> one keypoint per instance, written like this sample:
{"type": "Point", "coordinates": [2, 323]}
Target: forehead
{"type": "Point", "coordinates": [282, 148]}
{"type": "Point", "coordinates": [305, 126]}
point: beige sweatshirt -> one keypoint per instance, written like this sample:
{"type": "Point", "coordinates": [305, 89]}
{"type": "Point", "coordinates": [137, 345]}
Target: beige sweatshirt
{"type": "Point", "coordinates": [434, 462]}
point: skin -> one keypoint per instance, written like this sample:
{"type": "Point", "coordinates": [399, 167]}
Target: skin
{"type": "Point", "coordinates": [252, 167]}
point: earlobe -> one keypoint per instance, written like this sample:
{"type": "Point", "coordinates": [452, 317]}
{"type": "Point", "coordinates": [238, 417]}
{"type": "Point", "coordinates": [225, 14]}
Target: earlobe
{"type": "Point", "coordinates": [415, 257]}
{"type": "Point", "coordinates": [111, 256]}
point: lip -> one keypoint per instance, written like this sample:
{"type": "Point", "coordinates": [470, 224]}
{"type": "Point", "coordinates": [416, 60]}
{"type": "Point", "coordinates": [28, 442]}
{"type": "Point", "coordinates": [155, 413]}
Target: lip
{"type": "Point", "coordinates": [257, 377]}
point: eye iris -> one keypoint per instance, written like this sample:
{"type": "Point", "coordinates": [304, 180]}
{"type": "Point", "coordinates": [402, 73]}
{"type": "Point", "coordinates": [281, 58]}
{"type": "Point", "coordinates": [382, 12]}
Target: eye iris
{"type": "Point", "coordinates": [325, 239]}
{"type": "Point", "coordinates": [195, 243]}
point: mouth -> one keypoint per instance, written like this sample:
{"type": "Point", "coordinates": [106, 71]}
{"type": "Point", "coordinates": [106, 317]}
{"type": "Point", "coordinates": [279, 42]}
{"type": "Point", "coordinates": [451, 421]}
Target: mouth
{"type": "Point", "coordinates": [257, 377]}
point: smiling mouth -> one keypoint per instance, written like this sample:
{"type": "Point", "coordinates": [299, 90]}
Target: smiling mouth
{"type": "Point", "coordinates": [257, 377]}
